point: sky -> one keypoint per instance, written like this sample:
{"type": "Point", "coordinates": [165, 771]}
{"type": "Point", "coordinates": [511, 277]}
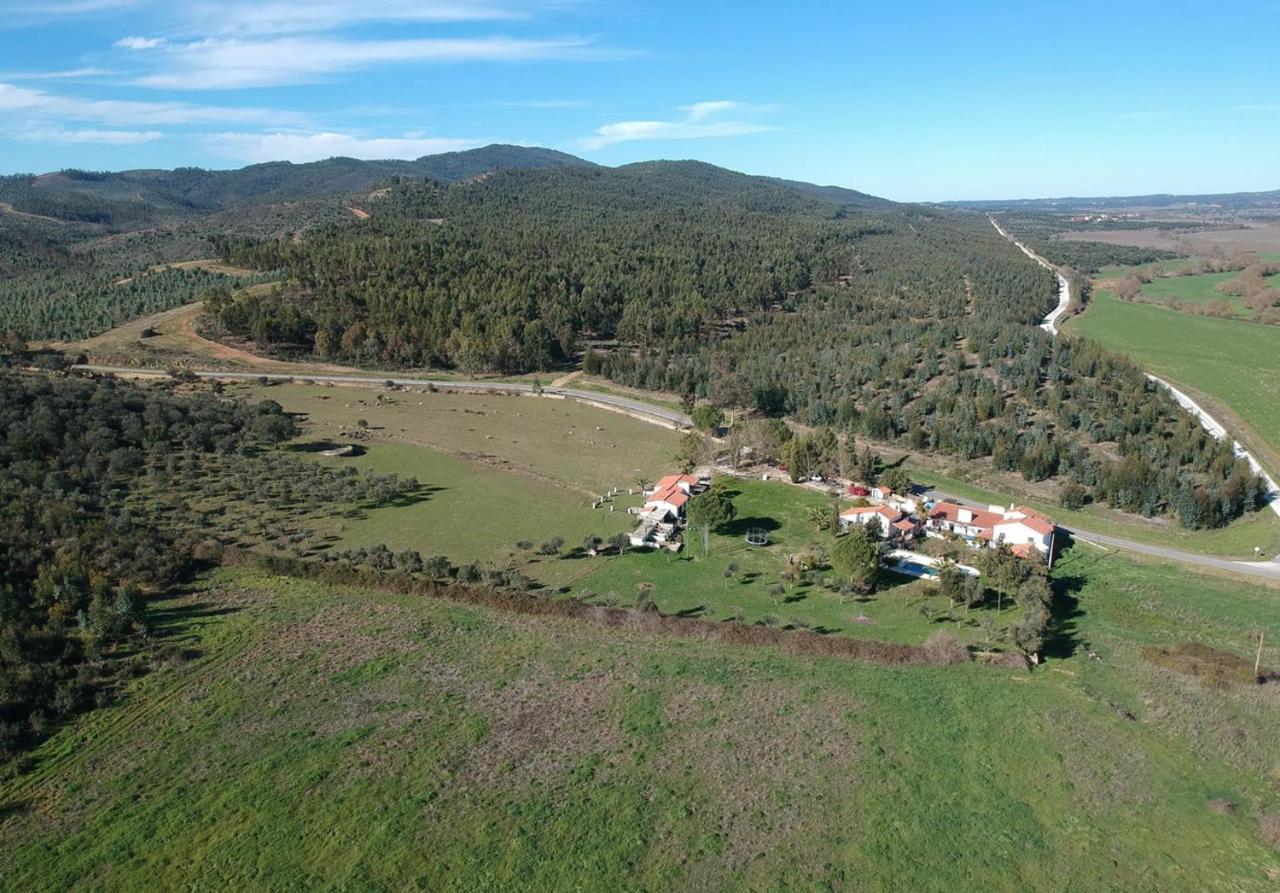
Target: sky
{"type": "Point", "coordinates": [927, 101]}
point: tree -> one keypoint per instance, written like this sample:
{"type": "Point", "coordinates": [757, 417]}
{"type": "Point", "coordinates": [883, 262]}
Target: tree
{"type": "Point", "coordinates": [730, 572]}
{"type": "Point", "coordinates": [619, 541]}
{"type": "Point", "coordinates": [856, 555]}
{"type": "Point", "coordinates": [708, 510]}
{"type": "Point", "coordinates": [707, 417]}
{"type": "Point", "coordinates": [690, 451]}
{"type": "Point", "coordinates": [896, 479]}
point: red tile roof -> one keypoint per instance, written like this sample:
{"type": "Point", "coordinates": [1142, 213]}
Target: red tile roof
{"type": "Point", "coordinates": [674, 480]}
{"type": "Point", "coordinates": [904, 525]}
{"type": "Point", "coordinates": [1036, 521]}
{"type": "Point", "coordinates": [949, 511]}
{"type": "Point", "coordinates": [672, 494]}
{"type": "Point", "coordinates": [882, 510]}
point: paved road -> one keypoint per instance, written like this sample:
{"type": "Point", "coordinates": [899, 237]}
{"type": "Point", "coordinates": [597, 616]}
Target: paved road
{"type": "Point", "coordinates": [1268, 570]}
{"type": "Point", "coordinates": [660, 415]}
{"type": "Point", "coordinates": [1050, 322]}
{"type": "Point", "coordinates": [646, 411]}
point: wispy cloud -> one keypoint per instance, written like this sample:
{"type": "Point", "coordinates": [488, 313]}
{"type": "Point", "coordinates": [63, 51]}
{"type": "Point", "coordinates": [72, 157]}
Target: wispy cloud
{"type": "Point", "coordinates": [101, 137]}
{"type": "Point", "coordinates": [701, 120]}
{"type": "Point", "coordinates": [139, 43]}
{"type": "Point", "coordinates": [265, 18]}
{"type": "Point", "coordinates": [65, 74]}
{"type": "Point", "coordinates": [258, 147]}
{"type": "Point", "coordinates": [230, 63]}
{"type": "Point", "coordinates": [31, 104]}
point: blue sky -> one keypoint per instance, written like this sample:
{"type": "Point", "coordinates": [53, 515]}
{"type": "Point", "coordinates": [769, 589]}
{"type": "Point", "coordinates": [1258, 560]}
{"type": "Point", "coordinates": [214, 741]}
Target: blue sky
{"type": "Point", "coordinates": [922, 101]}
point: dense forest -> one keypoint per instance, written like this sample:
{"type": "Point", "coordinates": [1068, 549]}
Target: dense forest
{"type": "Point", "coordinates": [77, 247]}
{"type": "Point", "coordinates": [894, 324]}
{"type": "Point", "coordinates": [97, 480]}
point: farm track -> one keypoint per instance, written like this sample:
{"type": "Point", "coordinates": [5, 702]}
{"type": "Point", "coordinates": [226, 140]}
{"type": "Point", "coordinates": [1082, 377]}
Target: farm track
{"type": "Point", "coordinates": [644, 411]}
{"type": "Point", "coordinates": [1269, 570]}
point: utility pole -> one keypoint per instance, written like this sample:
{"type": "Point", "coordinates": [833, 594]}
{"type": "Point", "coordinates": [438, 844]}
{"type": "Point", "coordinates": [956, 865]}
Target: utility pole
{"type": "Point", "coordinates": [1257, 661]}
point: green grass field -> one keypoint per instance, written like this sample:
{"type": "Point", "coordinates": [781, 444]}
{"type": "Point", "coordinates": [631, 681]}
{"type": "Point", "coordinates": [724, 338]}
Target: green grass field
{"type": "Point", "coordinates": [334, 738]}
{"type": "Point", "coordinates": [1199, 290]}
{"type": "Point", "coordinates": [1233, 363]}
{"type": "Point", "coordinates": [696, 585]}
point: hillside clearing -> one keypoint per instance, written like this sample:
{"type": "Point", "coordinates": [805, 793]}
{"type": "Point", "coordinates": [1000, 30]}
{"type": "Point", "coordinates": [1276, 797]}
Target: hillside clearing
{"type": "Point", "coordinates": [332, 736]}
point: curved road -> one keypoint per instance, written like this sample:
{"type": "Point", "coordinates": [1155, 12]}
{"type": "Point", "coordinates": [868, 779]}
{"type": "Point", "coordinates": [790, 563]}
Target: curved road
{"type": "Point", "coordinates": [647, 411]}
{"type": "Point", "coordinates": [1269, 570]}
{"type": "Point", "coordinates": [1050, 322]}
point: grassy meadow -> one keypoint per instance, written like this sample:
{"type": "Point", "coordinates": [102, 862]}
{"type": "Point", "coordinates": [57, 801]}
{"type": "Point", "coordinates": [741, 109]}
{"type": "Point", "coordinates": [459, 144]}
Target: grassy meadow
{"type": "Point", "coordinates": [498, 470]}
{"type": "Point", "coordinates": [1233, 363]}
{"type": "Point", "coordinates": [332, 738]}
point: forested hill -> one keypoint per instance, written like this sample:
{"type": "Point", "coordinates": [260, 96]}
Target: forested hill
{"type": "Point", "coordinates": [146, 196]}
{"type": "Point", "coordinates": [896, 323]}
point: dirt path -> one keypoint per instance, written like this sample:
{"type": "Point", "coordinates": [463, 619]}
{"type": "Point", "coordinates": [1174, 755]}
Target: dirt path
{"type": "Point", "coordinates": [565, 379]}
{"type": "Point", "coordinates": [1050, 323]}
{"type": "Point", "coordinates": [359, 213]}
{"type": "Point", "coordinates": [7, 208]}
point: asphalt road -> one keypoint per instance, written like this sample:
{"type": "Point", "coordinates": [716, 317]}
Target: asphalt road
{"type": "Point", "coordinates": [659, 414]}
{"type": "Point", "coordinates": [1265, 569]}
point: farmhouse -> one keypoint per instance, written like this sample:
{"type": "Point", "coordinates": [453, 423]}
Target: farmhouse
{"type": "Point", "coordinates": [1021, 528]}
{"type": "Point", "coordinates": [663, 512]}
{"type": "Point", "coordinates": [894, 524]}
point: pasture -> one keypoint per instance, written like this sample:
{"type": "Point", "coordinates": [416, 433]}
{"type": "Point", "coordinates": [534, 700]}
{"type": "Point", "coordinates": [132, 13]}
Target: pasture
{"type": "Point", "coordinates": [498, 469]}
{"type": "Point", "coordinates": [307, 735]}
{"type": "Point", "coordinates": [1233, 364]}
{"type": "Point", "coordinates": [735, 580]}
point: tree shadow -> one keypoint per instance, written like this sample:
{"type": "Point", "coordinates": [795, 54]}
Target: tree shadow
{"type": "Point", "coordinates": [696, 611]}
{"type": "Point", "coordinates": [740, 526]}
{"type": "Point", "coordinates": [1061, 638]}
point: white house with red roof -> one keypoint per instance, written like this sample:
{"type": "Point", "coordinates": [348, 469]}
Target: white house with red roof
{"type": "Point", "coordinates": [1021, 528]}
{"type": "Point", "coordinates": [663, 511]}
{"type": "Point", "coordinates": [893, 523]}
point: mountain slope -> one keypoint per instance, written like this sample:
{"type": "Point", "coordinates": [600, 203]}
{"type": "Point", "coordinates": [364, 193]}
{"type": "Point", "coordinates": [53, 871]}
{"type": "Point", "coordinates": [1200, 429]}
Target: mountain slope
{"type": "Point", "coordinates": [145, 196]}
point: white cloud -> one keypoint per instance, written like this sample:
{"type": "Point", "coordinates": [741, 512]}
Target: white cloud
{"type": "Point", "coordinates": [41, 104]}
{"type": "Point", "coordinates": [65, 74]}
{"type": "Point", "coordinates": [103, 137]}
{"type": "Point", "coordinates": [140, 43]}
{"type": "Point", "coordinates": [702, 120]}
{"type": "Point", "coordinates": [223, 63]}
{"type": "Point", "coordinates": [263, 18]}
{"type": "Point", "coordinates": [258, 147]}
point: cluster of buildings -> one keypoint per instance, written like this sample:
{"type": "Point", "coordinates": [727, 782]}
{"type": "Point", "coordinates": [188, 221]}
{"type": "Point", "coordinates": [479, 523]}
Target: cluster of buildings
{"type": "Point", "coordinates": [663, 513]}
{"type": "Point", "coordinates": [903, 518]}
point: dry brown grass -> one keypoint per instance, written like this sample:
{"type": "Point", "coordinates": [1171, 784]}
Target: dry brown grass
{"type": "Point", "coordinates": [1210, 665]}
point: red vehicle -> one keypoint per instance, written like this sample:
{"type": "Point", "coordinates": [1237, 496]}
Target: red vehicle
{"type": "Point", "coordinates": [857, 490]}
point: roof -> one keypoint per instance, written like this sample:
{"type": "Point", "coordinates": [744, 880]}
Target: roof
{"type": "Point", "coordinates": [666, 482]}
{"type": "Point", "coordinates": [882, 510]}
{"type": "Point", "coordinates": [1036, 521]}
{"type": "Point", "coordinates": [672, 494]}
{"type": "Point", "coordinates": [949, 511]}
{"type": "Point", "coordinates": [904, 525]}
{"type": "Point", "coordinates": [1023, 550]}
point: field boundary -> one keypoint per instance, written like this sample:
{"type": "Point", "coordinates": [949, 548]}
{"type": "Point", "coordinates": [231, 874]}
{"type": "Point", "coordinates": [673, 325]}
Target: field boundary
{"type": "Point", "coordinates": [938, 650]}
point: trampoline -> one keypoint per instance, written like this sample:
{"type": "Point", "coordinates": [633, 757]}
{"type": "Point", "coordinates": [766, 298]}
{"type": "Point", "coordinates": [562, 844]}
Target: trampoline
{"type": "Point", "coordinates": [758, 536]}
